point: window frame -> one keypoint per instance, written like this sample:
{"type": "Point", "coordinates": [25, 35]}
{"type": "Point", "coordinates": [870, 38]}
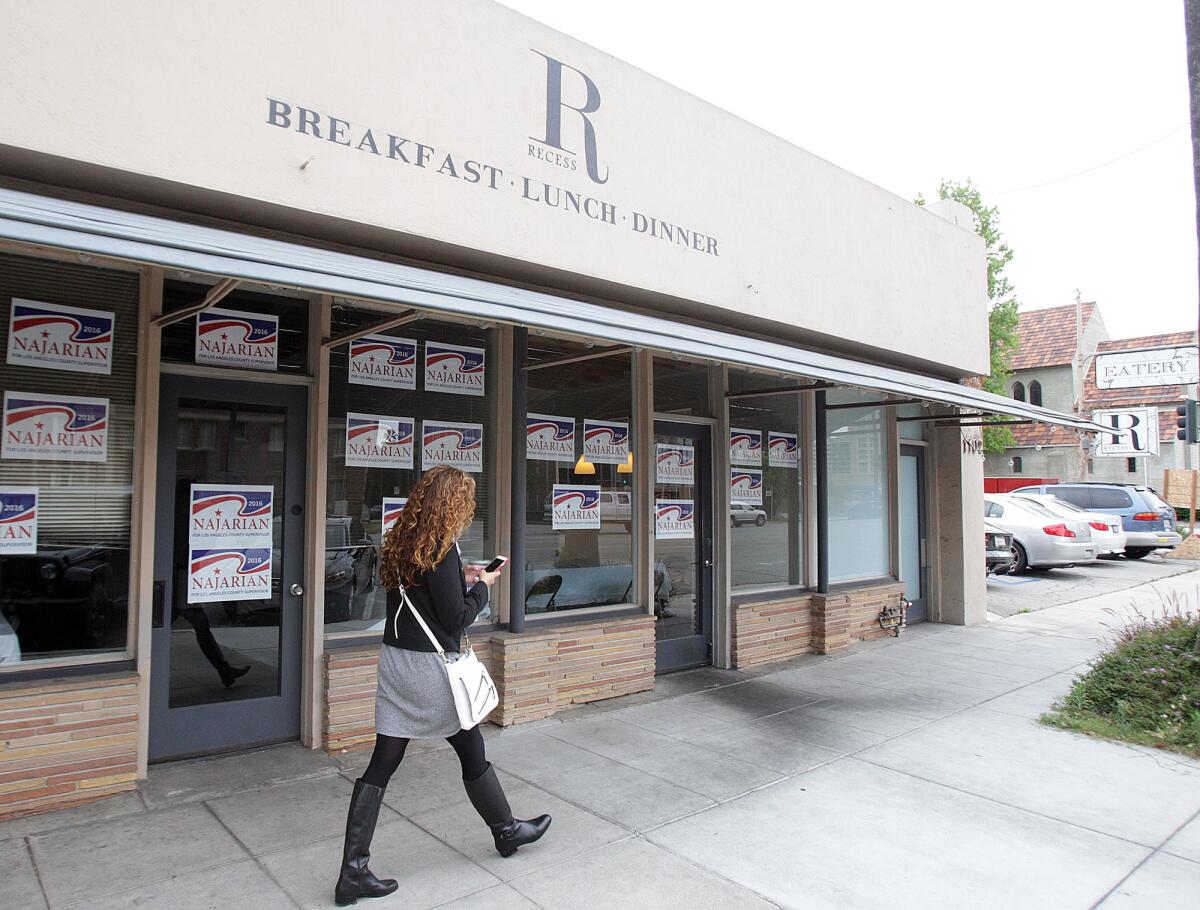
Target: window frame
{"type": "Point", "coordinates": [806, 433]}
{"type": "Point", "coordinates": [498, 449]}
{"type": "Point", "coordinates": [637, 446]}
{"type": "Point", "coordinates": [141, 543]}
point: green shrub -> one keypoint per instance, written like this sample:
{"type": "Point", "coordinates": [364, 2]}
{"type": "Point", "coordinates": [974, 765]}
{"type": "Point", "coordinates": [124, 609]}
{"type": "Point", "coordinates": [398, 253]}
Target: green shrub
{"type": "Point", "coordinates": [1145, 688]}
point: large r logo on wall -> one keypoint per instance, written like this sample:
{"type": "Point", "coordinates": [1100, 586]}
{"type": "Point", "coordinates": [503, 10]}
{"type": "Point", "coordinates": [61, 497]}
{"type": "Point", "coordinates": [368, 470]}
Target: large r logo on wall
{"type": "Point", "coordinates": [554, 109]}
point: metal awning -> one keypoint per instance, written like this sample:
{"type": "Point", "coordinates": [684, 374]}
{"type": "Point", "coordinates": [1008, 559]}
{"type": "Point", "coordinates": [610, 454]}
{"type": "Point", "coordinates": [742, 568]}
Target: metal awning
{"type": "Point", "coordinates": [171, 244]}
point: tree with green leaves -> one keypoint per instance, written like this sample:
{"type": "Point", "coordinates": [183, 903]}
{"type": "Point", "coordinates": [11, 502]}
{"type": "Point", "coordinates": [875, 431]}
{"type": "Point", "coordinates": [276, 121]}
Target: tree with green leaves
{"type": "Point", "coordinates": [1002, 301]}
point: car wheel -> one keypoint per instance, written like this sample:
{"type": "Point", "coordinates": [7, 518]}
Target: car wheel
{"type": "Point", "coordinates": [1137, 552]}
{"type": "Point", "coordinates": [760, 521]}
{"type": "Point", "coordinates": [1020, 560]}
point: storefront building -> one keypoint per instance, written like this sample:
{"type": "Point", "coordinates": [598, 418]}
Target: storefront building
{"type": "Point", "coordinates": [257, 272]}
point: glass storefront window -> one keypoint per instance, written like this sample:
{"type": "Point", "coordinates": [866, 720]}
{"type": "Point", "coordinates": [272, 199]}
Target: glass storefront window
{"type": "Point", "coordinates": [858, 488]}
{"type": "Point", "coordinates": [67, 468]}
{"type": "Point", "coordinates": [371, 468]}
{"type": "Point", "coordinates": [767, 536]}
{"type": "Point", "coordinates": [179, 340]}
{"type": "Point", "coordinates": [681, 387]}
{"type": "Point", "coordinates": [911, 429]}
{"type": "Point", "coordinates": [579, 496]}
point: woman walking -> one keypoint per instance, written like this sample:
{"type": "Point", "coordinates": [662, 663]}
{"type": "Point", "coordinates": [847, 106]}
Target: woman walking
{"type": "Point", "coordinates": [414, 699]}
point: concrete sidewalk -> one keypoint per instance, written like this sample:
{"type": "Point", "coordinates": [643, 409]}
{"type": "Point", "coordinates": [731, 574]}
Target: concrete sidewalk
{"type": "Point", "coordinates": [908, 773]}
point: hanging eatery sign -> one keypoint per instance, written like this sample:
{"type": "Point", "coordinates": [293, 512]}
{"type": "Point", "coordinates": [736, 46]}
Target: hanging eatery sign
{"type": "Point", "coordinates": [1155, 367]}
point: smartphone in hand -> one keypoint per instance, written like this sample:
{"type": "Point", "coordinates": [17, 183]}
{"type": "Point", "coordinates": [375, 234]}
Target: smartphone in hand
{"type": "Point", "coordinates": [496, 564]}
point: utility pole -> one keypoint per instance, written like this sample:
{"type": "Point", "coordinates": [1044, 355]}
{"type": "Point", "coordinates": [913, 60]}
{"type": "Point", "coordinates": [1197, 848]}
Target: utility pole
{"type": "Point", "coordinates": [1191, 14]}
{"type": "Point", "coordinates": [1192, 29]}
{"type": "Point", "coordinates": [1078, 382]}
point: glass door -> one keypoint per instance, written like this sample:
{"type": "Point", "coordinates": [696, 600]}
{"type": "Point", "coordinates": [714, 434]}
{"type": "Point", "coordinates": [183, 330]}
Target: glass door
{"type": "Point", "coordinates": [913, 568]}
{"type": "Point", "coordinates": [683, 544]}
{"type": "Point", "coordinates": [229, 555]}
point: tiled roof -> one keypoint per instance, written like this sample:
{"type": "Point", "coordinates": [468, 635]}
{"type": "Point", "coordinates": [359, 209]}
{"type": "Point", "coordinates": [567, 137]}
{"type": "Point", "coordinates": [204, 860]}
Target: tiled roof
{"type": "Point", "coordinates": [1166, 397]}
{"type": "Point", "coordinates": [1048, 336]}
{"type": "Point", "coordinates": [1044, 434]}
{"type": "Point", "coordinates": [1106, 398]}
{"type": "Point", "coordinates": [1167, 425]}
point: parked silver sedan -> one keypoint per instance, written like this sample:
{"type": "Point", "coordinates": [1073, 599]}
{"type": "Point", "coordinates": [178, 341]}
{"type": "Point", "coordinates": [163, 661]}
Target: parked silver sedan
{"type": "Point", "coordinates": [1106, 529]}
{"type": "Point", "coordinates": [1040, 538]}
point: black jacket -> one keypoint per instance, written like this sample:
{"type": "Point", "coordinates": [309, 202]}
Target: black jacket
{"type": "Point", "coordinates": [444, 602]}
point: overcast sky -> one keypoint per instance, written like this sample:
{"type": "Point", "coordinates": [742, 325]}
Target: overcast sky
{"type": "Point", "coordinates": [1071, 116]}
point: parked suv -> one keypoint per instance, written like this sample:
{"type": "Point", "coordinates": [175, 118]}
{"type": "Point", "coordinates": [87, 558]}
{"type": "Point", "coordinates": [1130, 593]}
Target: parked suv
{"type": "Point", "coordinates": [1149, 522]}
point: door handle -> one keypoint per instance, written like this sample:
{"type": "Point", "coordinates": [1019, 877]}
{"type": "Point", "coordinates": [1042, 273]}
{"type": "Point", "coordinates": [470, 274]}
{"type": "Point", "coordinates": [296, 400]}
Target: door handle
{"type": "Point", "coordinates": [296, 590]}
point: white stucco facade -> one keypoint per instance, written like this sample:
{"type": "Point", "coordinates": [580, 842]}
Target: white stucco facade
{"type": "Point", "coordinates": [314, 108]}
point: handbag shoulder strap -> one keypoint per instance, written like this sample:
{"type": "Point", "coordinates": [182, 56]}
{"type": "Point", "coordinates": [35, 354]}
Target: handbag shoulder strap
{"type": "Point", "coordinates": [405, 602]}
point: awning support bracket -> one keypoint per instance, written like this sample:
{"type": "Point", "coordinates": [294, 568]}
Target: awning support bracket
{"type": "Point", "coordinates": [392, 322]}
{"type": "Point", "coordinates": [887, 403]}
{"type": "Point", "coordinates": [986, 423]}
{"type": "Point", "coordinates": [579, 358]}
{"type": "Point", "coordinates": [781, 390]}
{"type": "Point", "coordinates": [215, 295]}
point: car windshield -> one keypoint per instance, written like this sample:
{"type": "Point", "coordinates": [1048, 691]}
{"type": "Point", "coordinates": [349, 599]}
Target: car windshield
{"type": "Point", "coordinates": [1054, 503]}
{"type": "Point", "coordinates": [1063, 505]}
{"type": "Point", "coordinates": [1036, 508]}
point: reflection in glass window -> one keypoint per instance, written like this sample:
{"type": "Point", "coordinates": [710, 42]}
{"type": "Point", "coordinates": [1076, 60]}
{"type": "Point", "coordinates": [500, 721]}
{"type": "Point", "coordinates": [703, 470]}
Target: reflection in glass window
{"type": "Point", "coordinates": [64, 589]}
{"type": "Point", "coordinates": [357, 493]}
{"type": "Point", "coordinates": [858, 488]}
{"type": "Point", "coordinates": [766, 539]}
{"type": "Point", "coordinates": [578, 510]}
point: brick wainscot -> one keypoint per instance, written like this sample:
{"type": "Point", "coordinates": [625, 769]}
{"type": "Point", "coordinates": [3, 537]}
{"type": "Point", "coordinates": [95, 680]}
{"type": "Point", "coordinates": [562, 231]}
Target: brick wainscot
{"type": "Point", "coordinates": [769, 628]}
{"type": "Point", "coordinates": [537, 673]}
{"type": "Point", "coordinates": [67, 741]}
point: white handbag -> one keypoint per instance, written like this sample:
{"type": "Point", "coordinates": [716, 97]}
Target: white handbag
{"type": "Point", "coordinates": [474, 692]}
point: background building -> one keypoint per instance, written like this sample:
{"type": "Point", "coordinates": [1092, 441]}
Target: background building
{"type": "Point", "coordinates": [1055, 367]}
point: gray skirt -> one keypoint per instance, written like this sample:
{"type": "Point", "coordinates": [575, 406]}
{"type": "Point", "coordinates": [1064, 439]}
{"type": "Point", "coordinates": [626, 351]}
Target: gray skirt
{"type": "Point", "coordinates": [413, 697]}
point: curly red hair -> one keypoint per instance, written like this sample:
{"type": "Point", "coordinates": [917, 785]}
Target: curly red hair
{"type": "Point", "coordinates": [439, 508]}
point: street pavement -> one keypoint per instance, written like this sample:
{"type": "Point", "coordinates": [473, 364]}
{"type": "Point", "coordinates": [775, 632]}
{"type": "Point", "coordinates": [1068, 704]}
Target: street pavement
{"type": "Point", "coordinates": [1041, 588]}
{"type": "Point", "coordinates": [907, 773]}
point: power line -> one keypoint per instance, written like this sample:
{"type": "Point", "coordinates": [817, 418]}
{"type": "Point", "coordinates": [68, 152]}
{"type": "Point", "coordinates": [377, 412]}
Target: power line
{"type": "Point", "coordinates": [1094, 167]}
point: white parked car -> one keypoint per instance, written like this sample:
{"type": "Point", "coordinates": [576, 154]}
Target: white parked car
{"type": "Point", "coordinates": [743, 513]}
{"type": "Point", "coordinates": [615, 506]}
{"type": "Point", "coordinates": [1040, 537]}
{"type": "Point", "coordinates": [1110, 537]}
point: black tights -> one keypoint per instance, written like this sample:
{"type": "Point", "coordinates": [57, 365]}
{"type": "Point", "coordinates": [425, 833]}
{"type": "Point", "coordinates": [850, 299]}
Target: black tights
{"type": "Point", "coordinates": [389, 752]}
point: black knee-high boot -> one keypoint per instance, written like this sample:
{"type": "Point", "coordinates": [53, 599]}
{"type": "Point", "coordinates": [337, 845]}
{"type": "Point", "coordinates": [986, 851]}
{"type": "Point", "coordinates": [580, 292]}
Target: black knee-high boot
{"type": "Point", "coordinates": [487, 796]}
{"type": "Point", "coordinates": [355, 879]}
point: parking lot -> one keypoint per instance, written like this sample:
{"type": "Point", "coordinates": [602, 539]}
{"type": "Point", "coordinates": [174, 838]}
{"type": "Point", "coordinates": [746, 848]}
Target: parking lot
{"type": "Point", "coordinates": [1038, 589]}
